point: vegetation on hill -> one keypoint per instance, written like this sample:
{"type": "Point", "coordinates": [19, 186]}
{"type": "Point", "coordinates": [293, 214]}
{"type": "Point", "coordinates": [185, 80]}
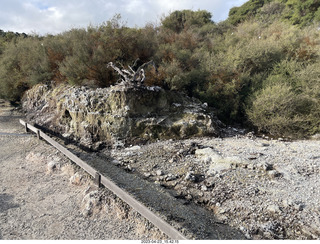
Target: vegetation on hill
{"type": "Point", "coordinates": [259, 67]}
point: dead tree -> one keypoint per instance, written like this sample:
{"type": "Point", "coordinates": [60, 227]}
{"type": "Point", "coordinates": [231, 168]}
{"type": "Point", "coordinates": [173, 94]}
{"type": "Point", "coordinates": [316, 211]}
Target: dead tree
{"type": "Point", "coordinates": [132, 75]}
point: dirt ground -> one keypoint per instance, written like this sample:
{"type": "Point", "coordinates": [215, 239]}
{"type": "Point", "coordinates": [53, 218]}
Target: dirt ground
{"type": "Point", "coordinates": [39, 202]}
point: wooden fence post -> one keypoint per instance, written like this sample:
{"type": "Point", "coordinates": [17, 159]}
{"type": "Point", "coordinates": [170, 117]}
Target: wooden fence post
{"type": "Point", "coordinates": [97, 179]}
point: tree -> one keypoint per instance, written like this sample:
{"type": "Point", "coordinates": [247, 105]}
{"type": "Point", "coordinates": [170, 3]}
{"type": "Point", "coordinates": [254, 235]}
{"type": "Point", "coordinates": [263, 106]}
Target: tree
{"type": "Point", "coordinates": [185, 19]}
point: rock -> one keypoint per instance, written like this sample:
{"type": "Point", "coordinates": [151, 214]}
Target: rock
{"type": "Point", "coordinates": [298, 206]}
{"type": "Point", "coordinates": [267, 166]}
{"type": "Point", "coordinates": [190, 176]}
{"type": "Point", "coordinates": [171, 177]}
{"type": "Point", "coordinates": [90, 200]}
{"type": "Point", "coordinates": [159, 172]}
{"type": "Point", "coordinates": [274, 208]}
{"type": "Point", "coordinates": [216, 161]}
{"type": "Point", "coordinates": [264, 144]}
{"type": "Point", "coordinates": [129, 168]}
{"type": "Point", "coordinates": [118, 113]}
{"type": "Point", "coordinates": [172, 160]}
{"type": "Point", "coordinates": [133, 148]}
{"type": "Point", "coordinates": [52, 166]}
{"type": "Point", "coordinates": [315, 137]}
{"type": "Point", "coordinates": [116, 162]}
{"type": "Point", "coordinates": [274, 174]}
{"type": "Point", "coordinates": [209, 182]}
{"type": "Point", "coordinates": [287, 203]}
{"type": "Point", "coordinates": [76, 179]}
{"type": "Point", "coordinates": [204, 188]}
{"type": "Point", "coordinates": [251, 166]}
{"type": "Point", "coordinates": [207, 152]}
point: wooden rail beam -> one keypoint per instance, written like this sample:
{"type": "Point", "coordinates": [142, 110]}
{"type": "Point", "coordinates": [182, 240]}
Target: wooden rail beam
{"type": "Point", "coordinates": [102, 180]}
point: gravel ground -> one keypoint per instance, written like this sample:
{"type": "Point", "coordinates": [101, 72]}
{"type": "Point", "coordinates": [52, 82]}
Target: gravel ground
{"type": "Point", "coordinates": [38, 201]}
{"type": "Point", "coordinates": [268, 189]}
{"type": "Point", "coordinates": [260, 187]}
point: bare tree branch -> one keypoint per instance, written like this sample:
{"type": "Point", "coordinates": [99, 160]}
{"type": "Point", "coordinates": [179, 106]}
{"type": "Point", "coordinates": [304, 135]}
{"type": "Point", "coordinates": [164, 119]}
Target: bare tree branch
{"type": "Point", "coordinates": [131, 76]}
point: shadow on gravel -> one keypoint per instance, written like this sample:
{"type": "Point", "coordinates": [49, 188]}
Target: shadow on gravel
{"type": "Point", "coordinates": [6, 202]}
{"type": "Point", "coordinates": [202, 223]}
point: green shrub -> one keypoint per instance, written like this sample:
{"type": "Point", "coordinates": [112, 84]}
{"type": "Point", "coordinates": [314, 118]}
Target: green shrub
{"type": "Point", "coordinates": [279, 111]}
{"type": "Point", "coordinates": [22, 65]}
{"type": "Point", "coordinates": [289, 102]}
{"type": "Point", "coordinates": [185, 19]}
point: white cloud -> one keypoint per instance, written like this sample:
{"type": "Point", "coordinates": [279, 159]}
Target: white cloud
{"type": "Point", "coordinates": [54, 16]}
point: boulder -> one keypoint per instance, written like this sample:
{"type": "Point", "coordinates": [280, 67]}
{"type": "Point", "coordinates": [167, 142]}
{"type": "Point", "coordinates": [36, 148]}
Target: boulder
{"type": "Point", "coordinates": [133, 114]}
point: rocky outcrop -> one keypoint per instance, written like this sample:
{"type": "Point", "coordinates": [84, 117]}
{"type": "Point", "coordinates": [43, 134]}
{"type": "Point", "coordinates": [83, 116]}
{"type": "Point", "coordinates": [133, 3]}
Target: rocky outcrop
{"type": "Point", "coordinates": [127, 113]}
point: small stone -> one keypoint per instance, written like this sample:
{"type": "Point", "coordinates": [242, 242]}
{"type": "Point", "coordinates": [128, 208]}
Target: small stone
{"type": "Point", "coordinates": [252, 157]}
{"type": "Point", "coordinates": [267, 167]}
{"type": "Point", "coordinates": [171, 177]}
{"type": "Point", "coordinates": [52, 166]}
{"type": "Point", "coordinates": [251, 166]}
{"type": "Point", "coordinates": [298, 206]}
{"type": "Point", "coordinates": [147, 175]}
{"type": "Point", "coordinates": [190, 176]}
{"type": "Point", "coordinates": [286, 203]}
{"type": "Point", "coordinates": [76, 179]}
{"type": "Point", "coordinates": [273, 208]}
{"type": "Point", "coordinates": [115, 162]}
{"type": "Point", "coordinates": [204, 188]}
{"type": "Point", "coordinates": [244, 165]}
{"type": "Point", "coordinates": [274, 174]}
{"type": "Point", "coordinates": [134, 148]}
{"type": "Point", "coordinates": [210, 182]}
{"type": "Point", "coordinates": [222, 211]}
{"type": "Point", "coordinates": [132, 161]}
{"type": "Point", "coordinates": [157, 182]}
{"type": "Point", "coordinates": [188, 197]}
{"type": "Point", "coordinates": [159, 172]}
{"type": "Point", "coordinates": [264, 144]}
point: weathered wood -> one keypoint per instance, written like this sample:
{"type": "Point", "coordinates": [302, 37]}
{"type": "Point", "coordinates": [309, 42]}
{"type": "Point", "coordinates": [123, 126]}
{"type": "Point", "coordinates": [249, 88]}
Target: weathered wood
{"type": "Point", "coordinates": [143, 210]}
{"type": "Point", "coordinates": [132, 76]}
{"type": "Point", "coordinates": [99, 179]}
{"type": "Point", "coordinates": [63, 150]}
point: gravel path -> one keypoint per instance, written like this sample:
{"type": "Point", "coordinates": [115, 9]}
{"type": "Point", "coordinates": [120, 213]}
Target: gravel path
{"type": "Point", "coordinates": [37, 202]}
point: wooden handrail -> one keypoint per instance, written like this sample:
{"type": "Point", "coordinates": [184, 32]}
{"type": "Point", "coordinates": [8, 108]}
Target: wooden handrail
{"type": "Point", "coordinates": [166, 228]}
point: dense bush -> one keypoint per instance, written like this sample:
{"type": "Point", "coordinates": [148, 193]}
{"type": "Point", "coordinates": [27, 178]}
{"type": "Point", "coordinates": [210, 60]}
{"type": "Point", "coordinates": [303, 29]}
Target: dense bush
{"type": "Point", "coordinates": [23, 64]}
{"type": "Point", "coordinates": [288, 104]}
{"type": "Point", "coordinates": [259, 67]}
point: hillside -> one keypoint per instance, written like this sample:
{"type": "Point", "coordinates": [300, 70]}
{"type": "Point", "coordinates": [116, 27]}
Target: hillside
{"type": "Point", "coordinates": [295, 12]}
{"type": "Point", "coordinates": [258, 68]}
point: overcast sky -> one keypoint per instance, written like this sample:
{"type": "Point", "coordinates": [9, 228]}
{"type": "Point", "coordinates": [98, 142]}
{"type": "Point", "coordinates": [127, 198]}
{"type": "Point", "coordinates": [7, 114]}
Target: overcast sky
{"type": "Point", "coordinates": [55, 16]}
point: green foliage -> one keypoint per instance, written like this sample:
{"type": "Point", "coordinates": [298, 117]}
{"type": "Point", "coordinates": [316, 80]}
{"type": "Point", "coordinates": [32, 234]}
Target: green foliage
{"type": "Point", "coordinates": [280, 111]}
{"type": "Point", "coordinates": [296, 12]}
{"type": "Point", "coordinates": [246, 11]}
{"type": "Point", "coordinates": [302, 12]}
{"type": "Point", "coordinates": [22, 65]}
{"type": "Point", "coordinates": [261, 66]}
{"type": "Point", "coordinates": [185, 19]}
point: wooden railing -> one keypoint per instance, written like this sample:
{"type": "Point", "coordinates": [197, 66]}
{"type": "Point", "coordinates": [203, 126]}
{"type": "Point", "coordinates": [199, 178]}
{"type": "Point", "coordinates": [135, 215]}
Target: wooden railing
{"type": "Point", "coordinates": [99, 179]}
